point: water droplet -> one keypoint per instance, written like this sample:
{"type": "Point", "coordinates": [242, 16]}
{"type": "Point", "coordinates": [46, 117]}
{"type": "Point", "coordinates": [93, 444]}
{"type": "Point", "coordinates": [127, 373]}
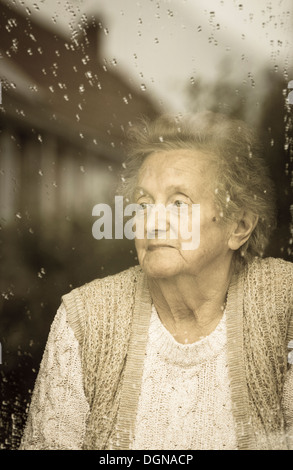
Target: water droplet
{"type": "Point", "coordinates": [82, 169]}
{"type": "Point", "coordinates": [156, 40]}
{"type": "Point", "coordinates": [41, 173]}
{"type": "Point", "coordinates": [85, 59]}
{"type": "Point", "coordinates": [125, 100]}
{"type": "Point", "coordinates": [161, 139]}
{"type": "Point", "coordinates": [110, 168]}
{"type": "Point", "coordinates": [41, 273]}
{"type": "Point", "coordinates": [81, 88]}
{"type": "Point", "coordinates": [170, 13]}
{"type": "Point", "coordinates": [14, 45]}
{"type": "Point", "coordinates": [66, 97]}
{"type": "Point", "coordinates": [143, 87]}
{"type": "Point", "coordinates": [18, 215]}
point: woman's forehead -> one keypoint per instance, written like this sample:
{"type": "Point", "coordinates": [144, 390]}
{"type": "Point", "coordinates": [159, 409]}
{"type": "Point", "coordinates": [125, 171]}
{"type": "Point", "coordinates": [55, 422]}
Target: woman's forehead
{"type": "Point", "coordinates": [183, 164]}
{"type": "Point", "coordinates": [176, 171]}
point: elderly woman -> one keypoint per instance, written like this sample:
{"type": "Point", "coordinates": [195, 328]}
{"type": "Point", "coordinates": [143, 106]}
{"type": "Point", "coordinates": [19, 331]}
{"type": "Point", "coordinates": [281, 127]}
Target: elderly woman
{"type": "Point", "coordinates": [188, 350]}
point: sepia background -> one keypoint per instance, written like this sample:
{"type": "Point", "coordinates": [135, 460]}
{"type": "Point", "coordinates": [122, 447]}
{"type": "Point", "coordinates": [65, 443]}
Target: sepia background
{"type": "Point", "coordinates": [75, 75]}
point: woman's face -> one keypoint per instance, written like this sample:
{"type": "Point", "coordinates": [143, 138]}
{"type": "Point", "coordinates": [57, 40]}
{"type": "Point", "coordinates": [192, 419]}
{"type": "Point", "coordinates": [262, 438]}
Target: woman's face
{"type": "Point", "coordinates": [179, 178]}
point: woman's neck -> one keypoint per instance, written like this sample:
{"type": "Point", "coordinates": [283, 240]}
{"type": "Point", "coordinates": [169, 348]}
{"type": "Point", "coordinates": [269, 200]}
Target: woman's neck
{"type": "Point", "coordinates": [189, 306]}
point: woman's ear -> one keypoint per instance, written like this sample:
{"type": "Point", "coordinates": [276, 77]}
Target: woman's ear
{"type": "Point", "coordinates": [242, 230]}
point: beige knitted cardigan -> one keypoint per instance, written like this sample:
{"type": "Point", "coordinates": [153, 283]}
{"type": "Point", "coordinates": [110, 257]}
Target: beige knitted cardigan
{"type": "Point", "coordinates": [110, 318]}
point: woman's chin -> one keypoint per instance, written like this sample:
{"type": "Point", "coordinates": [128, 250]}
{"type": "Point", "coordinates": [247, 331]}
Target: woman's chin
{"type": "Point", "coordinates": [160, 267]}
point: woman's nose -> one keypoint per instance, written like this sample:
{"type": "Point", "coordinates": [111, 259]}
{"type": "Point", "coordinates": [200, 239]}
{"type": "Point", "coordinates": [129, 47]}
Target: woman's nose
{"type": "Point", "coordinates": [157, 221]}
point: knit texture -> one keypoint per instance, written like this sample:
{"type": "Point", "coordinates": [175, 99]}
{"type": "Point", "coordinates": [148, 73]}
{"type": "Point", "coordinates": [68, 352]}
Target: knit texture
{"type": "Point", "coordinates": [110, 318]}
{"type": "Point", "coordinates": [185, 400]}
{"type": "Point", "coordinates": [268, 284]}
{"type": "Point", "coordinates": [58, 409]}
{"type": "Point", "coordinates": [107, 329]}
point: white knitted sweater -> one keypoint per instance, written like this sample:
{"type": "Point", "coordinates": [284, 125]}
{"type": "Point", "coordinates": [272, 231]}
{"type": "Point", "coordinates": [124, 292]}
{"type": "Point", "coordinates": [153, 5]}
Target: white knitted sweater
{"type": "Point", "coordinates": [185, 400]}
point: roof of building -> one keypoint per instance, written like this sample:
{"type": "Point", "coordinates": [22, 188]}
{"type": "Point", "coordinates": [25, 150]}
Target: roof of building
{"type": "Point", "coordinates": [65, 87]}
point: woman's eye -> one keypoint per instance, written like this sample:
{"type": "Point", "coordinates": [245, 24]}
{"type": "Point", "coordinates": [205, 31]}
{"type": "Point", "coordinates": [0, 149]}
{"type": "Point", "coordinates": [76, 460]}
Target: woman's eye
{"type": "Point", "coordinates": [143, 205]}
{"type": "Point", "coordinates": [179, 203]}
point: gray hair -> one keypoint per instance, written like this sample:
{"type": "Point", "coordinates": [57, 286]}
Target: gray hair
{"type": "Point", "coordinates": [242, 176]}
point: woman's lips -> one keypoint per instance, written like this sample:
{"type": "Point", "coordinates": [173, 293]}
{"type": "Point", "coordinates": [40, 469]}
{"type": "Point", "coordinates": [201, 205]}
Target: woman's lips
{"type": "Point", "coordinates": [157, 246]}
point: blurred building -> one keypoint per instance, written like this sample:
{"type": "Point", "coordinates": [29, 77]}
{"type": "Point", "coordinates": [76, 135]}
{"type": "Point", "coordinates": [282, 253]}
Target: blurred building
{"type": "Point", "coordinates": [63, 115]}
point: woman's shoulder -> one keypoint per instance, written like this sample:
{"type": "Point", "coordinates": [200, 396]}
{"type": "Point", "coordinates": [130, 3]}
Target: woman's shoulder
{"type": "Point", "coordinates": [272, 275]}
{"type": "Point", "coordinates": [119, 279]}
{"type": "Point", "coordinates": [100, 296]}
{"type": "Point", "coordinates": [273, 267]}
